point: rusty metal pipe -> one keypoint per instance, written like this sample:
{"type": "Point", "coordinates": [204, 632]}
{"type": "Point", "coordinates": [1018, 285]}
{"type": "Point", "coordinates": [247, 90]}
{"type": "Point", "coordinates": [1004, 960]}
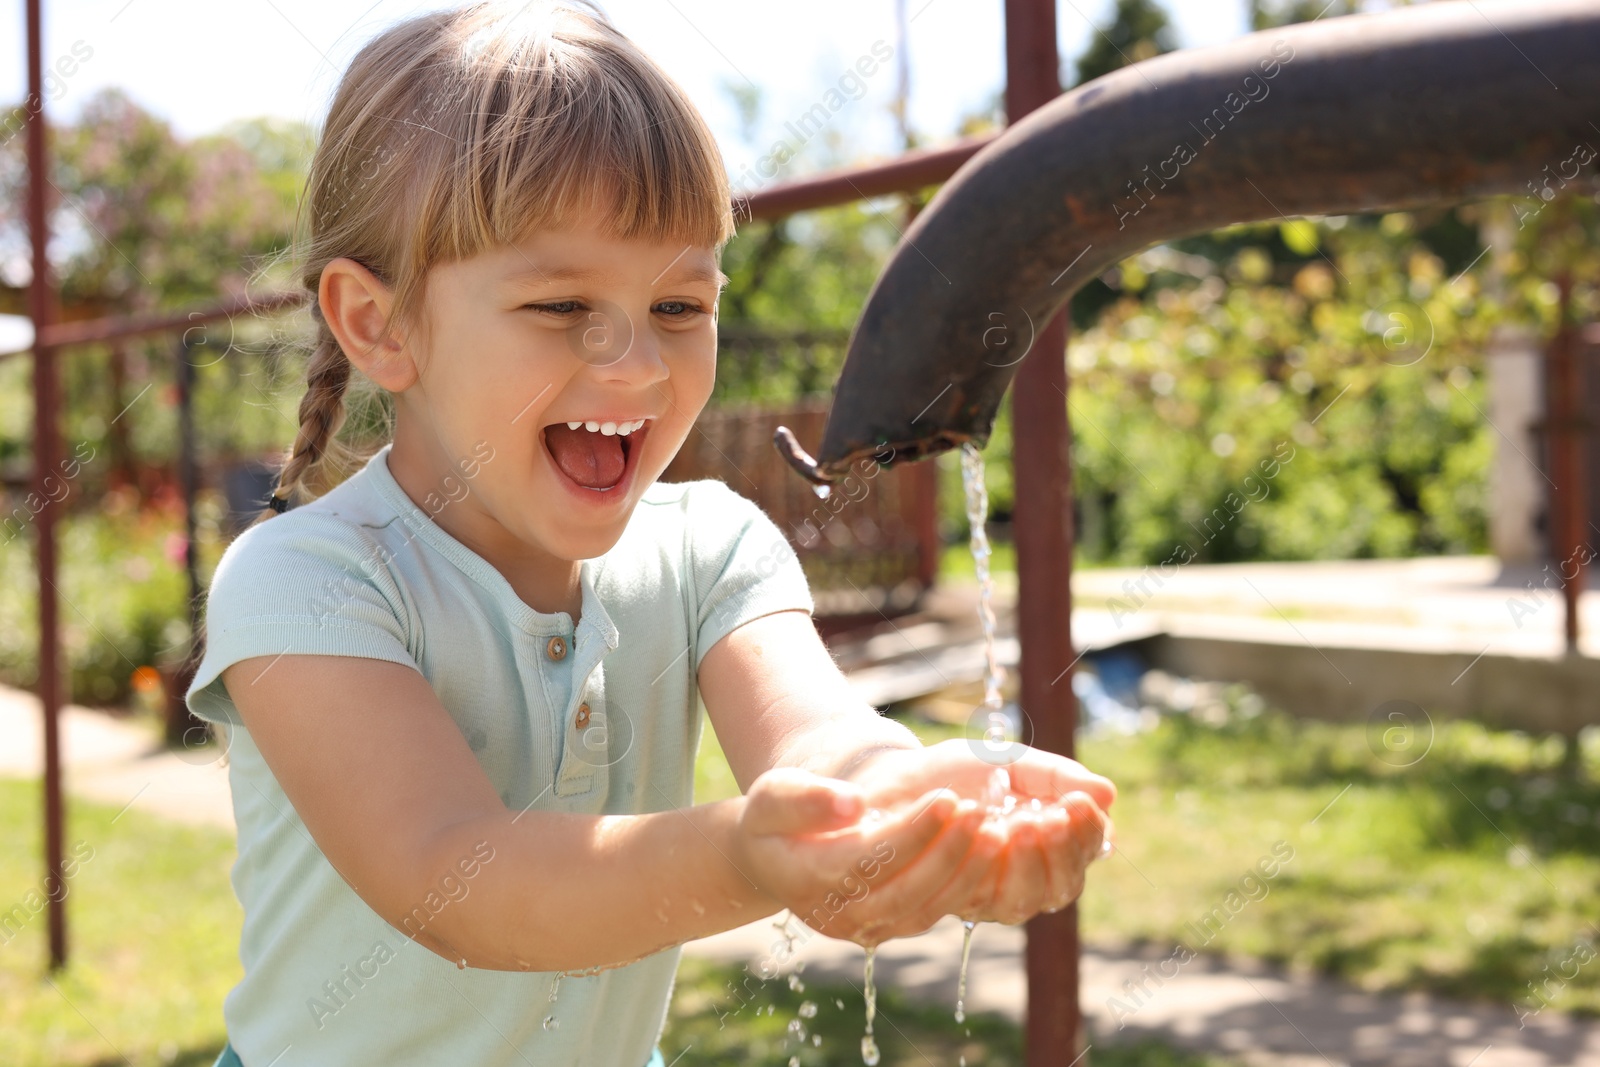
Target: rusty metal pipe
{"type": "Point", "coordinates": [1439, 103]}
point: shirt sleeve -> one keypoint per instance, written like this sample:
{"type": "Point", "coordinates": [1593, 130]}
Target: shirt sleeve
{"type": "Point", "coordinates": [744, 567]}
{"type": "Point", "coordinates": [301, 583]}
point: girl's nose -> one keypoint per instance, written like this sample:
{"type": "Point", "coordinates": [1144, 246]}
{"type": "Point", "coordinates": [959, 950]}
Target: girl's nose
{"type": "Point", "coordinates": [619, 348]}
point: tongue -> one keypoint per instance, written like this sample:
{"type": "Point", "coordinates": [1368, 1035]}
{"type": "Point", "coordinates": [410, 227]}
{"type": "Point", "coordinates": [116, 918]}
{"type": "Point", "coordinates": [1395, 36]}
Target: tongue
{"type": "Point", "coordinates": [591, 459]}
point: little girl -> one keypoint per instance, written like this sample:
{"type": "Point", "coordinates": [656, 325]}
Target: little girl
{"type": "Point", "coordinates": [460, 688]}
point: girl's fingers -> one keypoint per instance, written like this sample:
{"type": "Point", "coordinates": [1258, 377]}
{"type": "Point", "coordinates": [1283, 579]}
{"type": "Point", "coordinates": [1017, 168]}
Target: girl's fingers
{"type": "Point", "coordinates": [1088, 826]}
{"type": "Point", "coordinates": [907, 831]}
{"type": "Point", "coordinates": [1072, 842]}
{"type": "Point", "coordinates": [1024, 883]}
{"type": "Point", "coordinates": [787, 800]}
{"type": "Point", "coordinates": [895, 906]}
{"type": "Point", "coordinates": [1057, 854]}
{"type": "Point", "coordinates": [965, 891]}
{"type": "Point", "coordinates": [1050, 778]}
{"type": "Point", "coordinates": [983, 901]}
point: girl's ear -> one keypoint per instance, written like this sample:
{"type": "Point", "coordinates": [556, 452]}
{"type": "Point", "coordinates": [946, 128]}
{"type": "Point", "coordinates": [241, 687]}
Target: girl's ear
{"type": "Point", "coordinates": [356, 305]}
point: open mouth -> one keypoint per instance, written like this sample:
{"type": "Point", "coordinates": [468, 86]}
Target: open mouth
{"type": "Point", "coordinates": [597, 455]}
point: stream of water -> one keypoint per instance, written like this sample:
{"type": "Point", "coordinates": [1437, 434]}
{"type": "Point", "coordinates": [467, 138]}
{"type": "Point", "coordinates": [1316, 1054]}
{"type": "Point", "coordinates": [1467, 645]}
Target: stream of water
{"type": "Point", "coordinates": [869, 1047]}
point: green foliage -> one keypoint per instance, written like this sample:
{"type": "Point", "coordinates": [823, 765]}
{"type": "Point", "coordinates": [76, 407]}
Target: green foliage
{"type": "Point", "coordinates": [122, 595]}
{"type": "Point", "coordinates": [1139, 29]}
{"type": "Point", "coordinates": [795, 289]}
{"type": "Point", "coordinates": [149, 220]}
{"type": "Point", "coordinates": [1301, 391]}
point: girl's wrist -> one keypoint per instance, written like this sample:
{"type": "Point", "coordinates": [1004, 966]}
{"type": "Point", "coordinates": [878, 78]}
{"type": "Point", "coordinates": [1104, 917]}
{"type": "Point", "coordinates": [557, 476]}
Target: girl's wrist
{"type": "Point", "coordinates": [858, 763]}
{"type": "Point", "coordinates": [744, 893]}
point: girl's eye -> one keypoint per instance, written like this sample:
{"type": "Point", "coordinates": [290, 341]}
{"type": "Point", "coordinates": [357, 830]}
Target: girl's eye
{"type": "Point", "coordinates": [560, 307]}
{"type": "Point", "coordinates": [674, 309]}
{"type": "Point", "coordinates": [679, 309]}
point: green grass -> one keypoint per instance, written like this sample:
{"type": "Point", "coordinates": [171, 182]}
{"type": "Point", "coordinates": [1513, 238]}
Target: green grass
{"type": "Point", "coordinates": [955, 561]}
{"type": "Point", "coordinates": [1466, 873]}
{"type": "Point", "coordinates": [153, 940]}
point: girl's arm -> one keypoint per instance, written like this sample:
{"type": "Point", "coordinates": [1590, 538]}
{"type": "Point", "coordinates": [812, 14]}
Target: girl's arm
{"type": "Point", "coordinates": [394, 798]}
{"type": "Point", "coordinates": [776, 698]}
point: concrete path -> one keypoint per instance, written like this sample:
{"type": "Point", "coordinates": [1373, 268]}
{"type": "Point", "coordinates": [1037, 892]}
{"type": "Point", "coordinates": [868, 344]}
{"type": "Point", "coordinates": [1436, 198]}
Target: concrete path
{"type": "Point", "coordinates": [117, 761]}
{"type": "Point", "coordinates": [1252, 1013]}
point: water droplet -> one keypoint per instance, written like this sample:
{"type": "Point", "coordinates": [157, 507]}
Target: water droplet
{"type": "Point", "coordinates": [797, 1029]}
{"type": "Point", "coordinates": [795, 983]}
{"type": "Point", "coordinates": [461, 965]}
{"type": "Point", "coordinates": [808, 1010]}
{"type": "Point", "coordinates": [698, 908]}
{"type": "Point", "coordinates": [816, 1040]}
{"type": "Point", "coordinates": [555, 987]}
{"type": "Point", "coordinates": [822, 491]}
{"type": "Point", "coordinates": [1035, 804]}
{"type": "Point", "coordinates": [552, 1023]}
{"type": "Point", "coordinates": [963, 1061]}
{"type": "Point", "coordinates": [838, 1003]}
{"type": "Point", "coordinates": [769, 1009]}
{"type": "Point", "coordinates": [794, 1061]}
{"type": "Point", "coordinates": [869, 1051]}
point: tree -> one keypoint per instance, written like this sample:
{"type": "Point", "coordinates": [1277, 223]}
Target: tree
{"type": "Point", "coordinates": [1139, 30]}
{"type": "Point", "coordinates": [145, 220]}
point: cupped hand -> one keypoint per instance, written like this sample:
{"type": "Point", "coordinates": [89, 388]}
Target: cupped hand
{"type": "Point", "coordinates": [811, 845]}
{"type": "Point", "coordinates": [1043, 855]}
{"type": "Point", "coordinates": [1031, 857]}
{"type": "Point", "coordinates": [897, 775]}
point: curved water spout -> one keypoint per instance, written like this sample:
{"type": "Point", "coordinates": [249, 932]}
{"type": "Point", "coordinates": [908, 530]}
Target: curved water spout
{"type": "Point", "coordinates": [1433, 104]}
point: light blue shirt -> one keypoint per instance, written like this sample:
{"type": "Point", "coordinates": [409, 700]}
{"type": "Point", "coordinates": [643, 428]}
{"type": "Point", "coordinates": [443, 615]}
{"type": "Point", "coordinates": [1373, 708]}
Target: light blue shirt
{"type": "Point", "coordinates": [364, 571]}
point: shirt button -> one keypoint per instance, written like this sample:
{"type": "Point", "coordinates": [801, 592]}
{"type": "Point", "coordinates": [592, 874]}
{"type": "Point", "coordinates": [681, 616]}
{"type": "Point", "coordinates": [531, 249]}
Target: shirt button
{"type": "Point", "coordinates": [556, 649]}
{"type": "Point", "coordinates": [582, 718]}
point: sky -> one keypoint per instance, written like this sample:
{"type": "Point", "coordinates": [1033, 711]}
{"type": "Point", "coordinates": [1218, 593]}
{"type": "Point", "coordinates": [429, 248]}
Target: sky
{"type": "Point", "coordinates": [203, 63]}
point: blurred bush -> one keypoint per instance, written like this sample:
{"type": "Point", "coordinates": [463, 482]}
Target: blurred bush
{"type": "Point", "coordinates": [122, 593]}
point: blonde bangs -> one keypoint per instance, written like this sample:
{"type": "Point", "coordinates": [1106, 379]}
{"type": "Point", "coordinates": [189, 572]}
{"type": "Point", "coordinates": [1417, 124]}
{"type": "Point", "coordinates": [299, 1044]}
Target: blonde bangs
{"type": "Point", "coordinates": [568, 126]}
{"type": "Point", "coordinates": [460, 131]}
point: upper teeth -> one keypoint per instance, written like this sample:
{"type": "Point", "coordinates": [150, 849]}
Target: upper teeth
{"type": "Point", "coordinates": [610, 429]}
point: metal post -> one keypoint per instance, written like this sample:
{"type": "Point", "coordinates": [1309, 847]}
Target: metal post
{"type": "Point", "coordinates": [47, 484]}
{"type": "Point", "coordinates": [1042, 476]}
{"type": "Point", "coordinates": [1568, 435]}
{"type": "Point", "coordinates": [182, 726]}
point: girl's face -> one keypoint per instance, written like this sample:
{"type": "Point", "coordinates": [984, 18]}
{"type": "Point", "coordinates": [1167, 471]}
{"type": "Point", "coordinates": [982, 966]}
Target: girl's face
{"type": "Point", "coordinates": [557, 376]}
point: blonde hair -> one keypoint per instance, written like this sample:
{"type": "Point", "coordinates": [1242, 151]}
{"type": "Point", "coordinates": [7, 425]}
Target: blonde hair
{"type": "Point", "coordinates": [459, 131]}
